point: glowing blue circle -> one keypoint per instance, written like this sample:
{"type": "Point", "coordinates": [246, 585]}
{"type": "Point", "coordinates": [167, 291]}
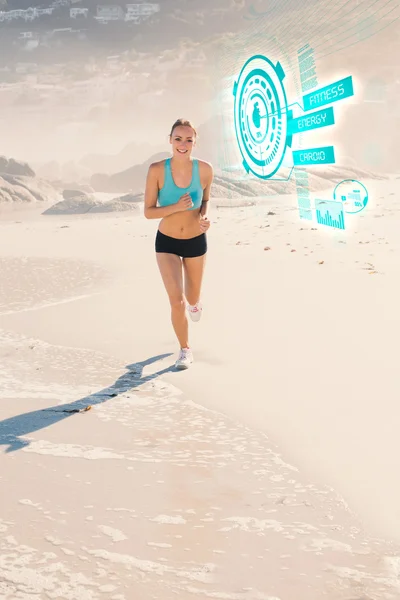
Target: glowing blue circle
{"type": "Point", "coordinates": [260, 113]}
{"type": "Point", "coordinates": [353, 194]}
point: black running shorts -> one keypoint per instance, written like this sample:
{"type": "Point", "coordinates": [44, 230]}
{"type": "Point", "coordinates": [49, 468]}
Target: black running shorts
{"type": "Point", "coordinates": [185, 248]}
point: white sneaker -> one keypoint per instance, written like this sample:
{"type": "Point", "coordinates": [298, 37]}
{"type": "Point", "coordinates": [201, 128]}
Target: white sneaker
{"type": "Point", "coordinates": [185, 359]}
{"type": "Point", "coordinates": [195, 311]}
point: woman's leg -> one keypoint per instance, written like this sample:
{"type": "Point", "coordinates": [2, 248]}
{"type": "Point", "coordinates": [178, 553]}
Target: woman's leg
{"type": "Point", "coordinates": [194, 270]}
{"type": "Point", "coordinates": [170, 266]}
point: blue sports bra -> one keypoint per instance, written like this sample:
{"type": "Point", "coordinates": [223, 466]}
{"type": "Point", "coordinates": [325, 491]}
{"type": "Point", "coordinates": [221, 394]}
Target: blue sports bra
{"type": "Point", "coordinates": [170, 192]}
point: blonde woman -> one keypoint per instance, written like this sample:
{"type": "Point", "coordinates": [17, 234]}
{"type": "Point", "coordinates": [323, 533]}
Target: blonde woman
{"type": "Point", "coordinates": [178, 193]}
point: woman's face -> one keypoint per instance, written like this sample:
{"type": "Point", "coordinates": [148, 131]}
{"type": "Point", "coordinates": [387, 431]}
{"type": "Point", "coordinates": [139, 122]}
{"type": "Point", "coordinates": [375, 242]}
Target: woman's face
{"type": "Point", "coordinates": [182, 140]}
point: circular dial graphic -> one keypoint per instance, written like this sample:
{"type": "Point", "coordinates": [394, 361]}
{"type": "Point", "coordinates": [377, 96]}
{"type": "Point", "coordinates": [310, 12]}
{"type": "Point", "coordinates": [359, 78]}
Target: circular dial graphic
{"type": "Point", "coordinates": [261, 116]}
{"type": "Point", "coordinates": [353, 194]}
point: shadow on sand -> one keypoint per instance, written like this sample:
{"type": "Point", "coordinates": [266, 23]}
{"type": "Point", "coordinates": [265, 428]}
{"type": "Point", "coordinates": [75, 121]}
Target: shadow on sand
{"type": "Point", "coordinates": [12, 429]}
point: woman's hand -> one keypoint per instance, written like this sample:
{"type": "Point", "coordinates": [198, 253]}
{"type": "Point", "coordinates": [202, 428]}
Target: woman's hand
{"type": "Point", "coordinates": [204, 224]}
{"type": "Point", "coordinates": [184, 203]}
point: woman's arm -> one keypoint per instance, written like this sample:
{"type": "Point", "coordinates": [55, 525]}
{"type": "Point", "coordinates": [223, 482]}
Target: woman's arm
{"type": "Point", "coordinates": [151, 210]}
{"type": "Point", "coordinates": [206, 191]}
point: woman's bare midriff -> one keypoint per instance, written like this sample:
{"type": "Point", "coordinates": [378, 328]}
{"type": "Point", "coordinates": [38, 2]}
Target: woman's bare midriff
{"type": "Point", "coordinates": [181, 225]}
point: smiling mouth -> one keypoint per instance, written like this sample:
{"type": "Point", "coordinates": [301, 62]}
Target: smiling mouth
{"type": "Point", "coordinates": [182, 151]}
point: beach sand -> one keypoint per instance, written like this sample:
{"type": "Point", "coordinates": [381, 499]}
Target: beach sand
{"type": "Point", "coordinates": [267, 471]}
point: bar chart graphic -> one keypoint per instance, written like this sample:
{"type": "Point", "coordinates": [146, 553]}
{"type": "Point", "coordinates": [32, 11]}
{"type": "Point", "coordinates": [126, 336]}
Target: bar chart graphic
{"type": "Point", "coordinates": [330, 213]}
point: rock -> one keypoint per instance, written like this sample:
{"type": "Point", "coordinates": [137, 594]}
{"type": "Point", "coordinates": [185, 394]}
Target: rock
{"type": "Point", "coordinates": [61, 185]}
{"type": "Point", "coordinates": [72, 206]}
{"type": "Point", "coordinates": [14, 167]}
{"type": "Point", "coordinates": [25, 189]}
{"type": "Point", "coordinates": [18, 183]}
{"type": "Point", "coordinates": [100, 183]}
{"type": "Point", "coordinates": [130, 198]}
{"type": "Point", "coordinates": [69, 194]}
{"type": "Point", "coordinates": [85, 188]}
{"type": "Point", "coordinates": [84, 204]}
{"type": "Point", "coordinates": [117, 206]}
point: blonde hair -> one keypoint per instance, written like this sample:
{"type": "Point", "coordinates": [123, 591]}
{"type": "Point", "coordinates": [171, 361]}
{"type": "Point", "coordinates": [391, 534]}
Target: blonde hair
{"type": "Point", "coordinates": [182, 123]}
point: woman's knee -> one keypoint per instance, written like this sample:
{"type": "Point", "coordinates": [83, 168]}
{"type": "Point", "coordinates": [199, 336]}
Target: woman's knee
{"type": "Point", "coordinates": [177, 302]}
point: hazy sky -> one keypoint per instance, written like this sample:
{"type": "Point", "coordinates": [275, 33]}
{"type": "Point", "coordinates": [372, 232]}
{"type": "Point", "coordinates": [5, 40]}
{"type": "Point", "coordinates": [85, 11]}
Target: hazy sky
{"type": "Point", "coordinates": [349, 38]}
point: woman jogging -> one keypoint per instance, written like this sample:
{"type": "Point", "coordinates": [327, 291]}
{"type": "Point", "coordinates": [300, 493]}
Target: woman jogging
{"type": "Point", "coordinates": [178, 192]}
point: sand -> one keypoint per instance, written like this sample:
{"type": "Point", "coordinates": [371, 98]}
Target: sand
{"type": "Point", "coordinates": [267, 471]}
